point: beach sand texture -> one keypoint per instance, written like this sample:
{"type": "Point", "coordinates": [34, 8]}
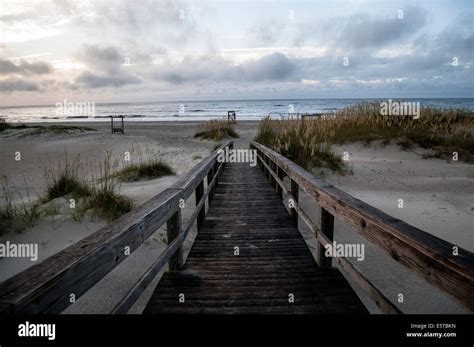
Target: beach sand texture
{"type": "Point", "coordinates": [438, 198]}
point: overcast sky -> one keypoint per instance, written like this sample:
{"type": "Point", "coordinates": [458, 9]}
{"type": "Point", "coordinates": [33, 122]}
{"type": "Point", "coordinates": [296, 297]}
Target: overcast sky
{"type": "Point", "coordinates": [119, 51]}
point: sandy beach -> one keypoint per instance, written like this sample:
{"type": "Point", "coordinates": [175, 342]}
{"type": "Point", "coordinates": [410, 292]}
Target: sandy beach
{"type": "Point", "coordinates": [437, 198]}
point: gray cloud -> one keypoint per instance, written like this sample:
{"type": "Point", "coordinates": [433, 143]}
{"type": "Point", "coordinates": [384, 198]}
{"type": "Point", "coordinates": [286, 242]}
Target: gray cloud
{"type": "Point", "coordinates": [276, 66]}
{"type": "Point", "coordinates": [148, 31]}
{"type": "Point", "coordinates": [106, 66]}
{"type": "Point", "coordinates": [14, 85]}
{"type": "Point", "coordinates": [25, 68]}
{"type": "Point", "coordinates": [363, 31]}
{"type": "Point", "coordinates": [91, 80]}
{"type": "Point", "coordinates": [103, 58]}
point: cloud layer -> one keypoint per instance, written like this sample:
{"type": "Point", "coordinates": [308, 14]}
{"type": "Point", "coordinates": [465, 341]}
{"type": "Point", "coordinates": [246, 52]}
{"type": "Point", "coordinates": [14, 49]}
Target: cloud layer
{"type": "Point", "coordinates": [152, 47]}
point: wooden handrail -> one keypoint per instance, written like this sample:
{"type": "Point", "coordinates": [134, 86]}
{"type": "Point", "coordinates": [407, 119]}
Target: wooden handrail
{"type": "Point", "coordinates": [48, 286]}
{"type": "Point", "coordinates": [429, 256]}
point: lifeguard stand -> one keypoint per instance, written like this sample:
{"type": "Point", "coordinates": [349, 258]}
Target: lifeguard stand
{"type": "Point", "coordinates": [231, 117]}
{"type": "Point", "coordinates": [115, 129]}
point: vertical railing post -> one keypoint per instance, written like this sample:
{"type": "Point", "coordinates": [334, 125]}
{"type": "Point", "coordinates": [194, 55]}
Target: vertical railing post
{"type": "Point", "coordinates": [294, 189]}
{"type": "Point", "coordinates": [173, 228]}
{"type": "Point", "coordinates": [265, 160]}
{"type": "Point", "coordinates": [272, 168]}
{"type": "Point", "coordinates": [327, 229]}
{"type": "Point", "coordinates": [210, 175]}
{"type": "Point", "coordinates": [202, 213]}
{"type": "Point", "coordinates": [260, 155]}
{"type": "Point", "coordinates": [281, 175]}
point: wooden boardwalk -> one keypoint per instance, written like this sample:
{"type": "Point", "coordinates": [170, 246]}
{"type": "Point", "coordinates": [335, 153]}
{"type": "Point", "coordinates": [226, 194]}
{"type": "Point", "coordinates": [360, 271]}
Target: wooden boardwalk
{"type": "Point", "coordinates": [274, 270]}
{"type": "Point", "coordinates": [274, 263]}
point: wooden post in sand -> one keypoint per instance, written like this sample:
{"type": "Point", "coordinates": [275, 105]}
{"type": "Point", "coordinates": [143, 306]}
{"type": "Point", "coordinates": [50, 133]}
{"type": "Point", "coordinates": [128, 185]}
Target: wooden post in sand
{"type": "Point", "coordinates": [173, 228]}
{"type": "Point", "coordinates": [327, 229]}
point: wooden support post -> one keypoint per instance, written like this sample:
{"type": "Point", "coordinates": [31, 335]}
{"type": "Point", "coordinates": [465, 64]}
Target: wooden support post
{"type": "Point", "coordinates": [281, 175]}
{"type": "Point", "coordinates": [274, 168]}
{"type": "Point", "coordinates": [270, 169]}
{"type": "Point", "coordinates": [202, 213]}
{"type": "Point", "coordinates": [173, 228]}
{"type": "Point", "coordinates": [295, 189]}
{"type": "Point", "coordinates": [327, 228]}
{"type": "Point", "coordinates": [210, 175]}
{"type": "Point", "coordinates": [217, 173]}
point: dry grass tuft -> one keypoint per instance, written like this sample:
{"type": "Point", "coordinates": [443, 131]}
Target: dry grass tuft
{"type": "Point", "coordinates": [307, 140]}
{"type": "Point", "coordinates": [216, 130]}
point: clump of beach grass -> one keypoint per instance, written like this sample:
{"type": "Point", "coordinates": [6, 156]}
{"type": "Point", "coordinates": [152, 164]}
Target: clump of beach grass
{"type": "Point", "coordinates": [216, 130]}
{"type": "Point", "coordinates": [104, 201]}
{"type": "Point", "coordinates": [100, 196]}
{"type": "Point", "coordinates": [144, 171]}
{"type": "Point", "coordinates": [296, 140]}
{"type": "Point", "coordinates": [16, 217]}
{"type": "Point", "coordinates": [144, 164]}
{"type": "Point", "coordinates": [64, 180]}
{"type": "Point", "coordinates": [443, 130]}
{"type": "Point", "coordinates": [7, 126]}
{"type": "Point", "coordinates": [56, 130]}
{"type": "Point", "coordinates": [37, 130]}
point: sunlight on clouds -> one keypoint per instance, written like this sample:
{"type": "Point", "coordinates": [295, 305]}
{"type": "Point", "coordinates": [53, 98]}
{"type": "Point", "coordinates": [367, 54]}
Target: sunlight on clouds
{"type": "Point", "coordinates": [394, 51]}
{"type": "Point", "coordinates": [67, 64]}
{"type": "Point", "coordinates": [246, 54]}
{"type": "Point", "coordinates": [310, 82]}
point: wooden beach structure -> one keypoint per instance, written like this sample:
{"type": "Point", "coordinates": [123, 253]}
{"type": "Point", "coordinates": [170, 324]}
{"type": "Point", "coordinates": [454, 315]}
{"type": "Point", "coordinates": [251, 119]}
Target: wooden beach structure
{"type": "Point", "coordinates": [120, 128]}
{"type": "Point", "coordinates": [248, 255]}
{"type": "Point", "coordinates": [231, 117]}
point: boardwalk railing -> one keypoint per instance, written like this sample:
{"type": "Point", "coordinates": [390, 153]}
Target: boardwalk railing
{"type": "Point", "coordinates": [49, 286]}
{"type": "Point", "coordinates": [442, 264]}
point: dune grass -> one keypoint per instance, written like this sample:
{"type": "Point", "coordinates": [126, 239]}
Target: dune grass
{"type": "Point", "coordinates": [6, 126]}
{"type": "Point", "coordinates": [16, 217]}
{"type": "Point", "coordinates": [98, 195]}
{"type": "Point", "coordinates": [307, 141]}
{"type": "Point", "coordinates": [41, 130]}
{"type": "Point", "coordinates": [56, 130]}
{"type": "Point", "coordinates": [64, 180]}
{"type": "Point", "coordinates": [144, 171]}
{"type": "Point", "coordinates": [216, 130]}
{"type": "Point", "coordinates": [104, 201]}
{"type": "Point", "coordinates": [102, 198]}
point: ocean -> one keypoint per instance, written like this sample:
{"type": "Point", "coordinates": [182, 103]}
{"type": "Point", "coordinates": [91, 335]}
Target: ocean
{"type": "Point", "coordinates": [198, 110]}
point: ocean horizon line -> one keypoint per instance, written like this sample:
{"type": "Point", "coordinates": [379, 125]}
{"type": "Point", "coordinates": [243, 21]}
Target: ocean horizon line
{"type": "Point", "coordinates": [236, 100]}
